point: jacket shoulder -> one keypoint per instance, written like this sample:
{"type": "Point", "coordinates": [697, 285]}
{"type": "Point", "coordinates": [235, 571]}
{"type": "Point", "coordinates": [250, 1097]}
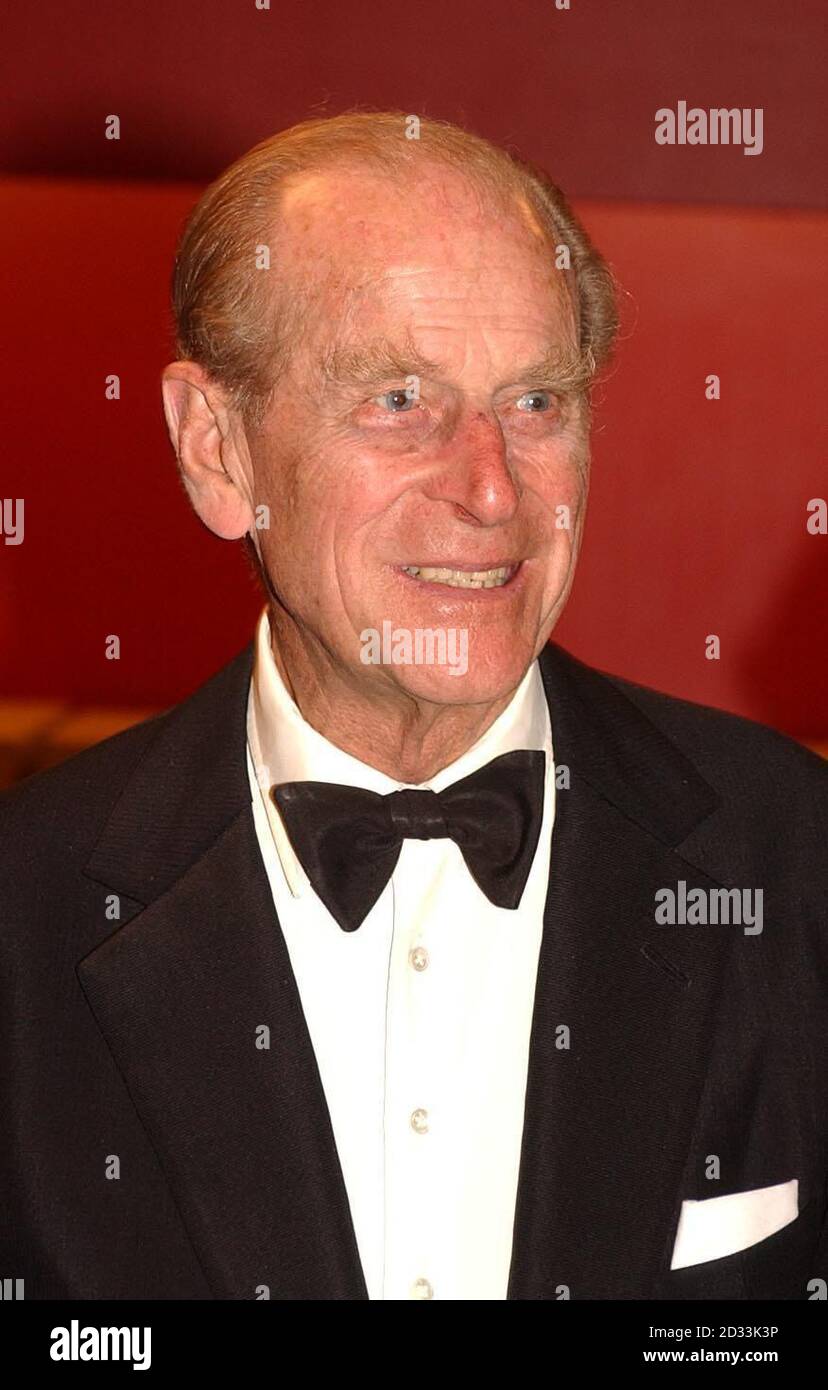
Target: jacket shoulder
{"type": "Point", "coordinates": [726, 748]}
{"type": "Point", "coordinates": [90, 778]}
{"type": "Point", "coordinates": [718, 736]}
{"type": "Point", "coordinates": [63, 807]}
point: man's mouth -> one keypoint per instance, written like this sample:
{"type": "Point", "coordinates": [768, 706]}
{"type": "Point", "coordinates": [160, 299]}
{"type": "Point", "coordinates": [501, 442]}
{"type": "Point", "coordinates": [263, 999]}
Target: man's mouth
{"type": "Point", "coordinates": [462, 578]}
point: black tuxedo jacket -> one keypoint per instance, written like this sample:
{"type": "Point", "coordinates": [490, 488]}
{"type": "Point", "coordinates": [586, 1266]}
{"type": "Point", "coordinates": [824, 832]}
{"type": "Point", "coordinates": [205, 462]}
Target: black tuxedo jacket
{"type": "Point", "coordinates": [127, 1041]}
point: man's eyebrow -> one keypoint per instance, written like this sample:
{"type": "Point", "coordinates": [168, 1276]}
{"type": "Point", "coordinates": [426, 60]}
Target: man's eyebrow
{"type": "Point", "coordinates": [375, 361]}
{"type": "Point", "coordinates": [567, 371]}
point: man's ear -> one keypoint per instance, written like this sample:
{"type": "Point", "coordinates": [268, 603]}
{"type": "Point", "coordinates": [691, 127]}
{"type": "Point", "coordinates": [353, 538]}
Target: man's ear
{"type": "Point", "coordinates": [211, 449]}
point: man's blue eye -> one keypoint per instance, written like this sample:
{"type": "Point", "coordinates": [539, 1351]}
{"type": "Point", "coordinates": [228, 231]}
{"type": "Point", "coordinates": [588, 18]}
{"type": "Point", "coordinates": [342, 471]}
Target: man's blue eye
{"type": "Point", "coordinates": [396, 401]}
{"type": "Point", "coordinates": [539, 401]}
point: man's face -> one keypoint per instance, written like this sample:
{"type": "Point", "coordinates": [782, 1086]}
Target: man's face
{"type": "Point", "coordinates": [416, 432]}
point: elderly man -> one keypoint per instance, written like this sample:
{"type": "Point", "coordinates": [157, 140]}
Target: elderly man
{"type": "Point", "coordinates": [410, 957]}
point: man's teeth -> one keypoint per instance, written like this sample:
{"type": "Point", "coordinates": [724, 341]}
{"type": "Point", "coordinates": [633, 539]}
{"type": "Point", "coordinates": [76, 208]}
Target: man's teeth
{"type": "Point", "coordinates": [462, 579]}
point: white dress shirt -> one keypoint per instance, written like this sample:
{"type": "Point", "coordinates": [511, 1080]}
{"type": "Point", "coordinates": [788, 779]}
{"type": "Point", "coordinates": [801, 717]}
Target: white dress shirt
{"type": "Point", "coordinates": [420, 1020]}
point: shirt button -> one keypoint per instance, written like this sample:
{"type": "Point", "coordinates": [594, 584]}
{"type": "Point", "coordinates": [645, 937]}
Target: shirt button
{"type": "Point", "coordinates": [418, 958]}
{"type": "Point", "coordinates": [419, 1121]}
{"type": "Point", "coordinates": [421, 1289]}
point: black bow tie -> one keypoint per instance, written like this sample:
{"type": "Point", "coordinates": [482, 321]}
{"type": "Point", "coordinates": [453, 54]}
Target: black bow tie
{"type": "Point", "coordinates": [349, 840]}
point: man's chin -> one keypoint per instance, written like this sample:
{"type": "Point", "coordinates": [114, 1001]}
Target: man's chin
{"type": "Point", "coordinates": [460, 684]}
{"type": "Point", "coordinates": [449, 665]}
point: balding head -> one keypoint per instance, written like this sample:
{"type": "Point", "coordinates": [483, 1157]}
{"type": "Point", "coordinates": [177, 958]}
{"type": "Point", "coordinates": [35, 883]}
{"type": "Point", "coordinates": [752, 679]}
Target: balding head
{"type": "Point", "coordinates": [240, 319]}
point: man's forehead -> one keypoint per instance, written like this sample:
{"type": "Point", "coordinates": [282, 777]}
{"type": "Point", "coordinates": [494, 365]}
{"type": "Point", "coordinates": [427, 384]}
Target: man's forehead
{"type": "Point", "coordinates": [441, 313]}
{"type": "Point", "coordinates": [361, 248]}
{"type": "Point", "coordinates": [376, 209]}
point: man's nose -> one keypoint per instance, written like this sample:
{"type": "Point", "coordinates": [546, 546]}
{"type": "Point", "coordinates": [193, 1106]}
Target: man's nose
{"type": "Point", "coordinates": [475, 473]}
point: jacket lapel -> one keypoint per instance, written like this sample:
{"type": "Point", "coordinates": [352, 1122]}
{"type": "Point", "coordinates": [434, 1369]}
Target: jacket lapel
{"type": "Point", "coordinates": [183, 994]}
{"type": "Point", "coordinates": [609, 1117]}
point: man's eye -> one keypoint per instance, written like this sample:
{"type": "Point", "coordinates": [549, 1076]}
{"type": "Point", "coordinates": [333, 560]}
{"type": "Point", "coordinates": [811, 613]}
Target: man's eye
{"type": "Point", "coordinates": [534, 402]}
{"type": "Point", "coordinates": [396, 402]}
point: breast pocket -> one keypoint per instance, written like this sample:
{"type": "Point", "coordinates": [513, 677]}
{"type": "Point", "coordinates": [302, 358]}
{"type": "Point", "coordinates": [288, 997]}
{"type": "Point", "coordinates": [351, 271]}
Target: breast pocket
{"type": "Point", "coordinates": [779, 1267]}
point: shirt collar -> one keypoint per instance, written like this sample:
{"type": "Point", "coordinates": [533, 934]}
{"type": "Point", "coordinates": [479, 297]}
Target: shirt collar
{"type": "Point", "coordinates": [283, 747]}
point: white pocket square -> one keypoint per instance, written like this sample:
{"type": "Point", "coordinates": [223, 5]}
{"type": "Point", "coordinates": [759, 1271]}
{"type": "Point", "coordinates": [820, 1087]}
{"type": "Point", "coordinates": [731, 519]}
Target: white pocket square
{"type": "Point", "coordinates": [720, 1226]}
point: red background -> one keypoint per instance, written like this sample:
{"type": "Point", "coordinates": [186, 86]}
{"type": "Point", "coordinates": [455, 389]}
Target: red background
{"type": "Point", "coordinates": [697, 515]}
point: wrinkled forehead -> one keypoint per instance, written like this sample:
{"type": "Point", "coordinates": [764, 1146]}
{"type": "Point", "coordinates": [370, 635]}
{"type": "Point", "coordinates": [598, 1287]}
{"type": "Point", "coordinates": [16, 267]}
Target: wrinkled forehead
{"type": "Point", "coordinates": [342, 229]}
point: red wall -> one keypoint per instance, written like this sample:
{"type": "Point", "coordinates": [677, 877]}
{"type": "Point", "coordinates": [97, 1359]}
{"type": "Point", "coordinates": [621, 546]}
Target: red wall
{"type": "Point", "coordinates": [697, 516]}
{"type": "Point", "coordinates": [196, 82]}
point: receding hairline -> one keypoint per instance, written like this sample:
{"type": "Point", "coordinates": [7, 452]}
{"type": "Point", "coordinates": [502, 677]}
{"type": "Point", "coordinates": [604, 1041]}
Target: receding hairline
{"type": "Point", "coordinates": [317, 184]}
{"type": "Point", "coordinates": [220, 307]}
{"type": "Point", "coordinates": [497, 209]}
{"type": "Point", "coordinates": [508, 191]}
